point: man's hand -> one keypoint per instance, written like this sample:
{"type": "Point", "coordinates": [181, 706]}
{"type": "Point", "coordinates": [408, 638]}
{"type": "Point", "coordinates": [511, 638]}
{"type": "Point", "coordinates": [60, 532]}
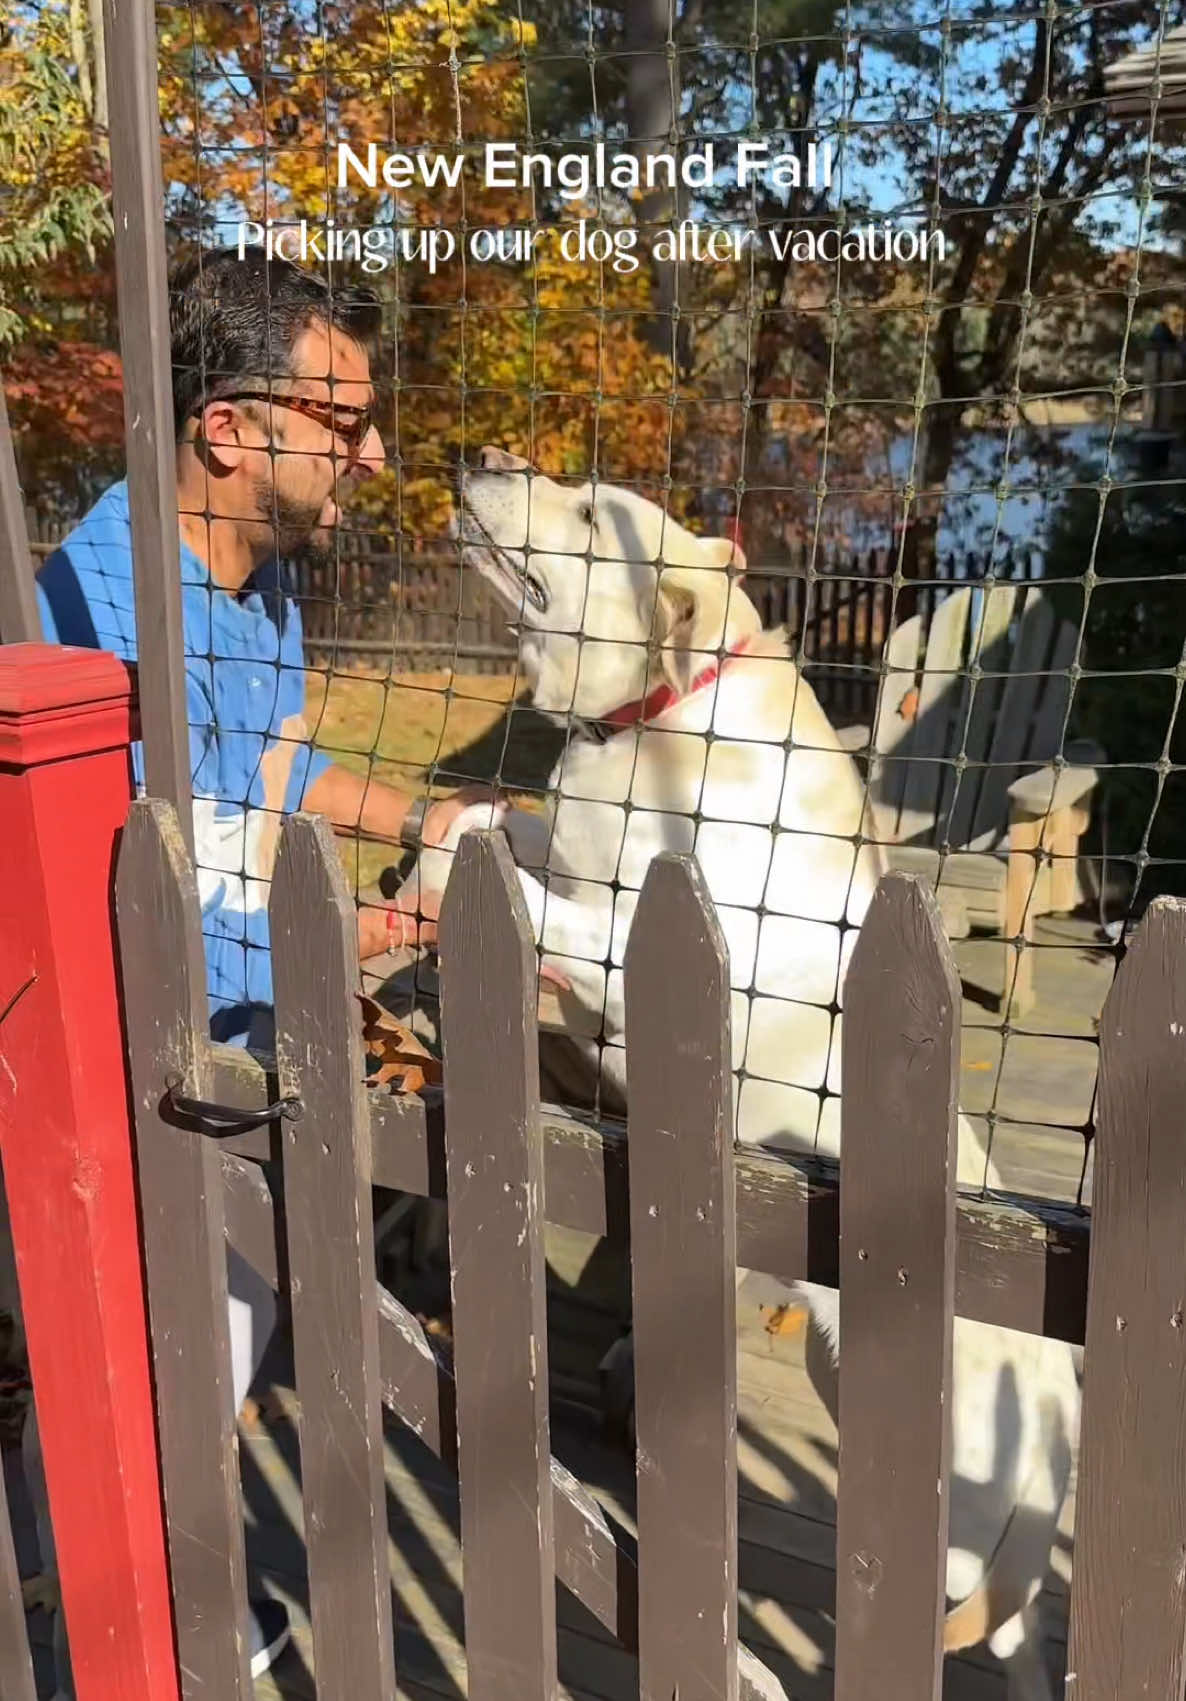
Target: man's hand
{"type": "Point", "coordinates": [404, 922]}
{"type": "Point", "coordinates": [399, 924]}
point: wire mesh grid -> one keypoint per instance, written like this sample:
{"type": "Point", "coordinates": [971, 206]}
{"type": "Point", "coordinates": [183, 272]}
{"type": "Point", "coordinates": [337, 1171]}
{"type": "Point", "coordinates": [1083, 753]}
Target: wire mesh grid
{"type": "Point", "coordinates": [865, 429]}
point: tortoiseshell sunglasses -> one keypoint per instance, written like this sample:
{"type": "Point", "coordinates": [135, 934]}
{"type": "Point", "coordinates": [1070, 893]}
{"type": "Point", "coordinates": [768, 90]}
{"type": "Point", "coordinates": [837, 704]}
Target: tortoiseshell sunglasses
{"type": "Point", "coordinates": [328, 414]}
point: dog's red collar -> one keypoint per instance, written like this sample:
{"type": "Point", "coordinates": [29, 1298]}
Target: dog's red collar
{"type": "Point", "coordinates": [644, 709]}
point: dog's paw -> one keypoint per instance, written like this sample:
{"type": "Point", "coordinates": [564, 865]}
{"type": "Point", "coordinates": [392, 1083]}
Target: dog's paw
{"type": "Point", "coordinates": [472, 818]}
{"type": "Point", "coordinates": [435, 862]}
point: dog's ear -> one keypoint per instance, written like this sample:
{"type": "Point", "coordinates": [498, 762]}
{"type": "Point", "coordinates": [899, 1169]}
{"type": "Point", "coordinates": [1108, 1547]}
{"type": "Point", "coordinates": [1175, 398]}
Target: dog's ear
{"type": "Point", "coordinates": [689, 627]}
{"type": "Point", "coordinates": [724, 552]}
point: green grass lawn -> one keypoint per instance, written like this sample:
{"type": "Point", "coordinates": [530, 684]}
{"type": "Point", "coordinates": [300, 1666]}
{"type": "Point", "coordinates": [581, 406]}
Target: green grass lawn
{"type": "Point", "coordinates": [428, 730]}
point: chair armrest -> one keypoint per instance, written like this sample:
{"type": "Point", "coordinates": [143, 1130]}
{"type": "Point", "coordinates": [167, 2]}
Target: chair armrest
{"type": "Point", "coordinates": [854, 738]}
{"type": "Point", "coordinates": [1047, 790]}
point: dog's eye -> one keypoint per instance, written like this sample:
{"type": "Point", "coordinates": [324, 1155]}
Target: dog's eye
{"type": "Point", "coordinates": [586, 513]}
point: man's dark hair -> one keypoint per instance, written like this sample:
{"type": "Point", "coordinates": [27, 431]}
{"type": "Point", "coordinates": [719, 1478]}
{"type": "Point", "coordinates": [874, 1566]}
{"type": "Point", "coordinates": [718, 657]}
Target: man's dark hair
{"type": "Point", "coordinates": [235, 320]}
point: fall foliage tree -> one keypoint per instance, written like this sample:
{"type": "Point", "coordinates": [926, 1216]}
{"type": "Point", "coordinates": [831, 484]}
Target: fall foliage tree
{"type": "Point", "coordinates": [55, 216]}
{"type": "Point", "coordinates": [990, 125]}
{"type": "Point", "coordinates": [56, 295]}
{"type": "Point", "coordinates": [784, 380]}
{"type": "Point", "coordinates": [544, 357]}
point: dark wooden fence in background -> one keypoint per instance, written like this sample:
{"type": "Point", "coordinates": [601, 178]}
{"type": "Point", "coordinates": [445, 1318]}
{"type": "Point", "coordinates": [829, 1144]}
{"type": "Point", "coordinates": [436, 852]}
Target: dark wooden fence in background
{"type": "Point", "coordinates": [692, 1207]}
{"type": "Point", "coordinates": [377, 605]}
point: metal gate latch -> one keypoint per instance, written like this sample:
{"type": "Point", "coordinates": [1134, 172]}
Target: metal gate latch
{"type": "Point", "coordinates": [231, 1116]}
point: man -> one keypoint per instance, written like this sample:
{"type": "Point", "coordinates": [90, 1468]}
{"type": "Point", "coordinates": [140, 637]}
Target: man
{"type": "Point", "coordinates": [272, 401]}
{"type": "Point", "coordinates": [272, 398]}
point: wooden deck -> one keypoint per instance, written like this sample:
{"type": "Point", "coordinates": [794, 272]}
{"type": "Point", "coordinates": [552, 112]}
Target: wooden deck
{"type": "Point", "coordinates": [1039, 1077]}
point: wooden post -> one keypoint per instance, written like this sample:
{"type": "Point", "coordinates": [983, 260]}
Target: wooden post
{"type": "Point", "coordinates": [1069, 826]}
{"type": "Point", "coordinates": [1026, 843]}
{"type": "Point", "coordinates": [138, 197]}
{"type": "Point", "coordinates": [1048, 813]}
{"type": "Point", "coordinates": [65, 784]}
{"type": "Point", "coordinates": [181, 1198]}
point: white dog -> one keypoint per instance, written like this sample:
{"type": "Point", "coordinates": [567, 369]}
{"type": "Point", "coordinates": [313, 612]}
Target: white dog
{"type": "Point", "coordinates": [632, 625]}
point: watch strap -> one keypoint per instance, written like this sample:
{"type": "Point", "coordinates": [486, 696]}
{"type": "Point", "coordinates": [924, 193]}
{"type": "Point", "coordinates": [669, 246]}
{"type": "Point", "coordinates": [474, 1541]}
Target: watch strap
{"type": "Point", "coordinates": [412, 831]}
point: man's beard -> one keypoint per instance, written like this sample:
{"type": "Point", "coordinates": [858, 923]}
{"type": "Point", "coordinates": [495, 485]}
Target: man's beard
{"type": "Point", "coordinates": [293, 522]}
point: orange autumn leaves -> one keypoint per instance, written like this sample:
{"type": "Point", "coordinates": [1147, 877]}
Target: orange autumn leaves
{"type": "Point", "coordinates": [548, 359]}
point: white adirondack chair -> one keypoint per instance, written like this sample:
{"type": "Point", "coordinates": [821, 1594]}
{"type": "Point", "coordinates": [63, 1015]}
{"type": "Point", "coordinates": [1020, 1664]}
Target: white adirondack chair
{"type": "Point", "coordinates": [1000, 833]}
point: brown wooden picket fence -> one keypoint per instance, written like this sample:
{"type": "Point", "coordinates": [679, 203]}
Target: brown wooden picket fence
{"type": "Point", "coordinates": [691, 1208]}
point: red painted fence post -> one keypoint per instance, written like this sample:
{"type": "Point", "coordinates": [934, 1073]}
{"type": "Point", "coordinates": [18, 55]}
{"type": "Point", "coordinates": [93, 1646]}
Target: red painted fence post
{"type": "Point", "coordinates": [66, 1143]}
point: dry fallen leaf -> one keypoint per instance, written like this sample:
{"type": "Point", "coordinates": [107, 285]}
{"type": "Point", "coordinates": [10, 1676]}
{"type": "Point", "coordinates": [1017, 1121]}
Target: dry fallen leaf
{"type": "Point", "coordinates": [908, 707]}
{"type": "Point", "coordinates": [786, 1319]}
{"type": "Point", "coordinates": [405, 1064]}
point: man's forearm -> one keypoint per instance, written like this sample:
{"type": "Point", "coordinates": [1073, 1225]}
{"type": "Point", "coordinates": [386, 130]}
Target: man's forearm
{"type": "Point", "coordinates": [358, 803]}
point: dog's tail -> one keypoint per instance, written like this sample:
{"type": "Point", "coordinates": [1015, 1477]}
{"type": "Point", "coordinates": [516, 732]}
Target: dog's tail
{"type": "Point", "coordinates": [1004, 1592]}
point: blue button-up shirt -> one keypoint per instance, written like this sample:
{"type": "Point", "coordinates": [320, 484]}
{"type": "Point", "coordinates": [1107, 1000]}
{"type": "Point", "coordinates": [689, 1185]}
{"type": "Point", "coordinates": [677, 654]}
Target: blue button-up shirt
{"type": "Point", "coordinates": [250, 756]}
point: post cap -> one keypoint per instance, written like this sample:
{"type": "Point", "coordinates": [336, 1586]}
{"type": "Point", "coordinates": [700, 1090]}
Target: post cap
{"type": "Point", "coordinates": [60, 700]}
{"type": "Point", "coordinates": [35, 678]}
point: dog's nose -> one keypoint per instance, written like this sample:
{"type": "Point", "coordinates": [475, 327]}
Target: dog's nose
{"type": "Point", "coordinates": [497, 460]}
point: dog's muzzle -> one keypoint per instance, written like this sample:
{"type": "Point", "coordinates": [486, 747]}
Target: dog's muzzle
{"type": "Point", "coordinates": [472, 532]}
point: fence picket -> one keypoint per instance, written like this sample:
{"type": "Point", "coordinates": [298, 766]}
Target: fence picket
{"type": "Point", "coordinates": [16, 1665]}
{"type": "Point", "coordinates": [1128, 1603]}
{"type": "Point", "coordinates": [897, 1290]}
{"type": "Point", "coordinates": [137, 194]}
{"type": "Point", "coordinates": [181, 1199]}
{"type": "Point", "coordinates": [495, 1169]}
{"type": "Point", "coordinates": [683, 1239]}
{"type": "Point", "coordinates": [331, 1256]}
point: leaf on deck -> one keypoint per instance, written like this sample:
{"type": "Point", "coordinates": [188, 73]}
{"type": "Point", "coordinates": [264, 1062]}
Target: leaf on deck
{"type": "Point", "coordinates": [405, 1064]}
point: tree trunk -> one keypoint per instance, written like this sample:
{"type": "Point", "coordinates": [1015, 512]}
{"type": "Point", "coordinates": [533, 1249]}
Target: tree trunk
{"type": "Point", "coordinates": [920, 548]}
{"type": "Point", "coordinates": [81, 56]}
{"type": "Point", "coordinates": [99, 55]}
{"type": "Point", "coordinates": [652, 108]}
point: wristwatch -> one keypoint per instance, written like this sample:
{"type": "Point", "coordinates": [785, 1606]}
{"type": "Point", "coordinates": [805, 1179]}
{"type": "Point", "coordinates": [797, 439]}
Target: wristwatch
{"type": "Point", "coordinates": [412, 831]}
